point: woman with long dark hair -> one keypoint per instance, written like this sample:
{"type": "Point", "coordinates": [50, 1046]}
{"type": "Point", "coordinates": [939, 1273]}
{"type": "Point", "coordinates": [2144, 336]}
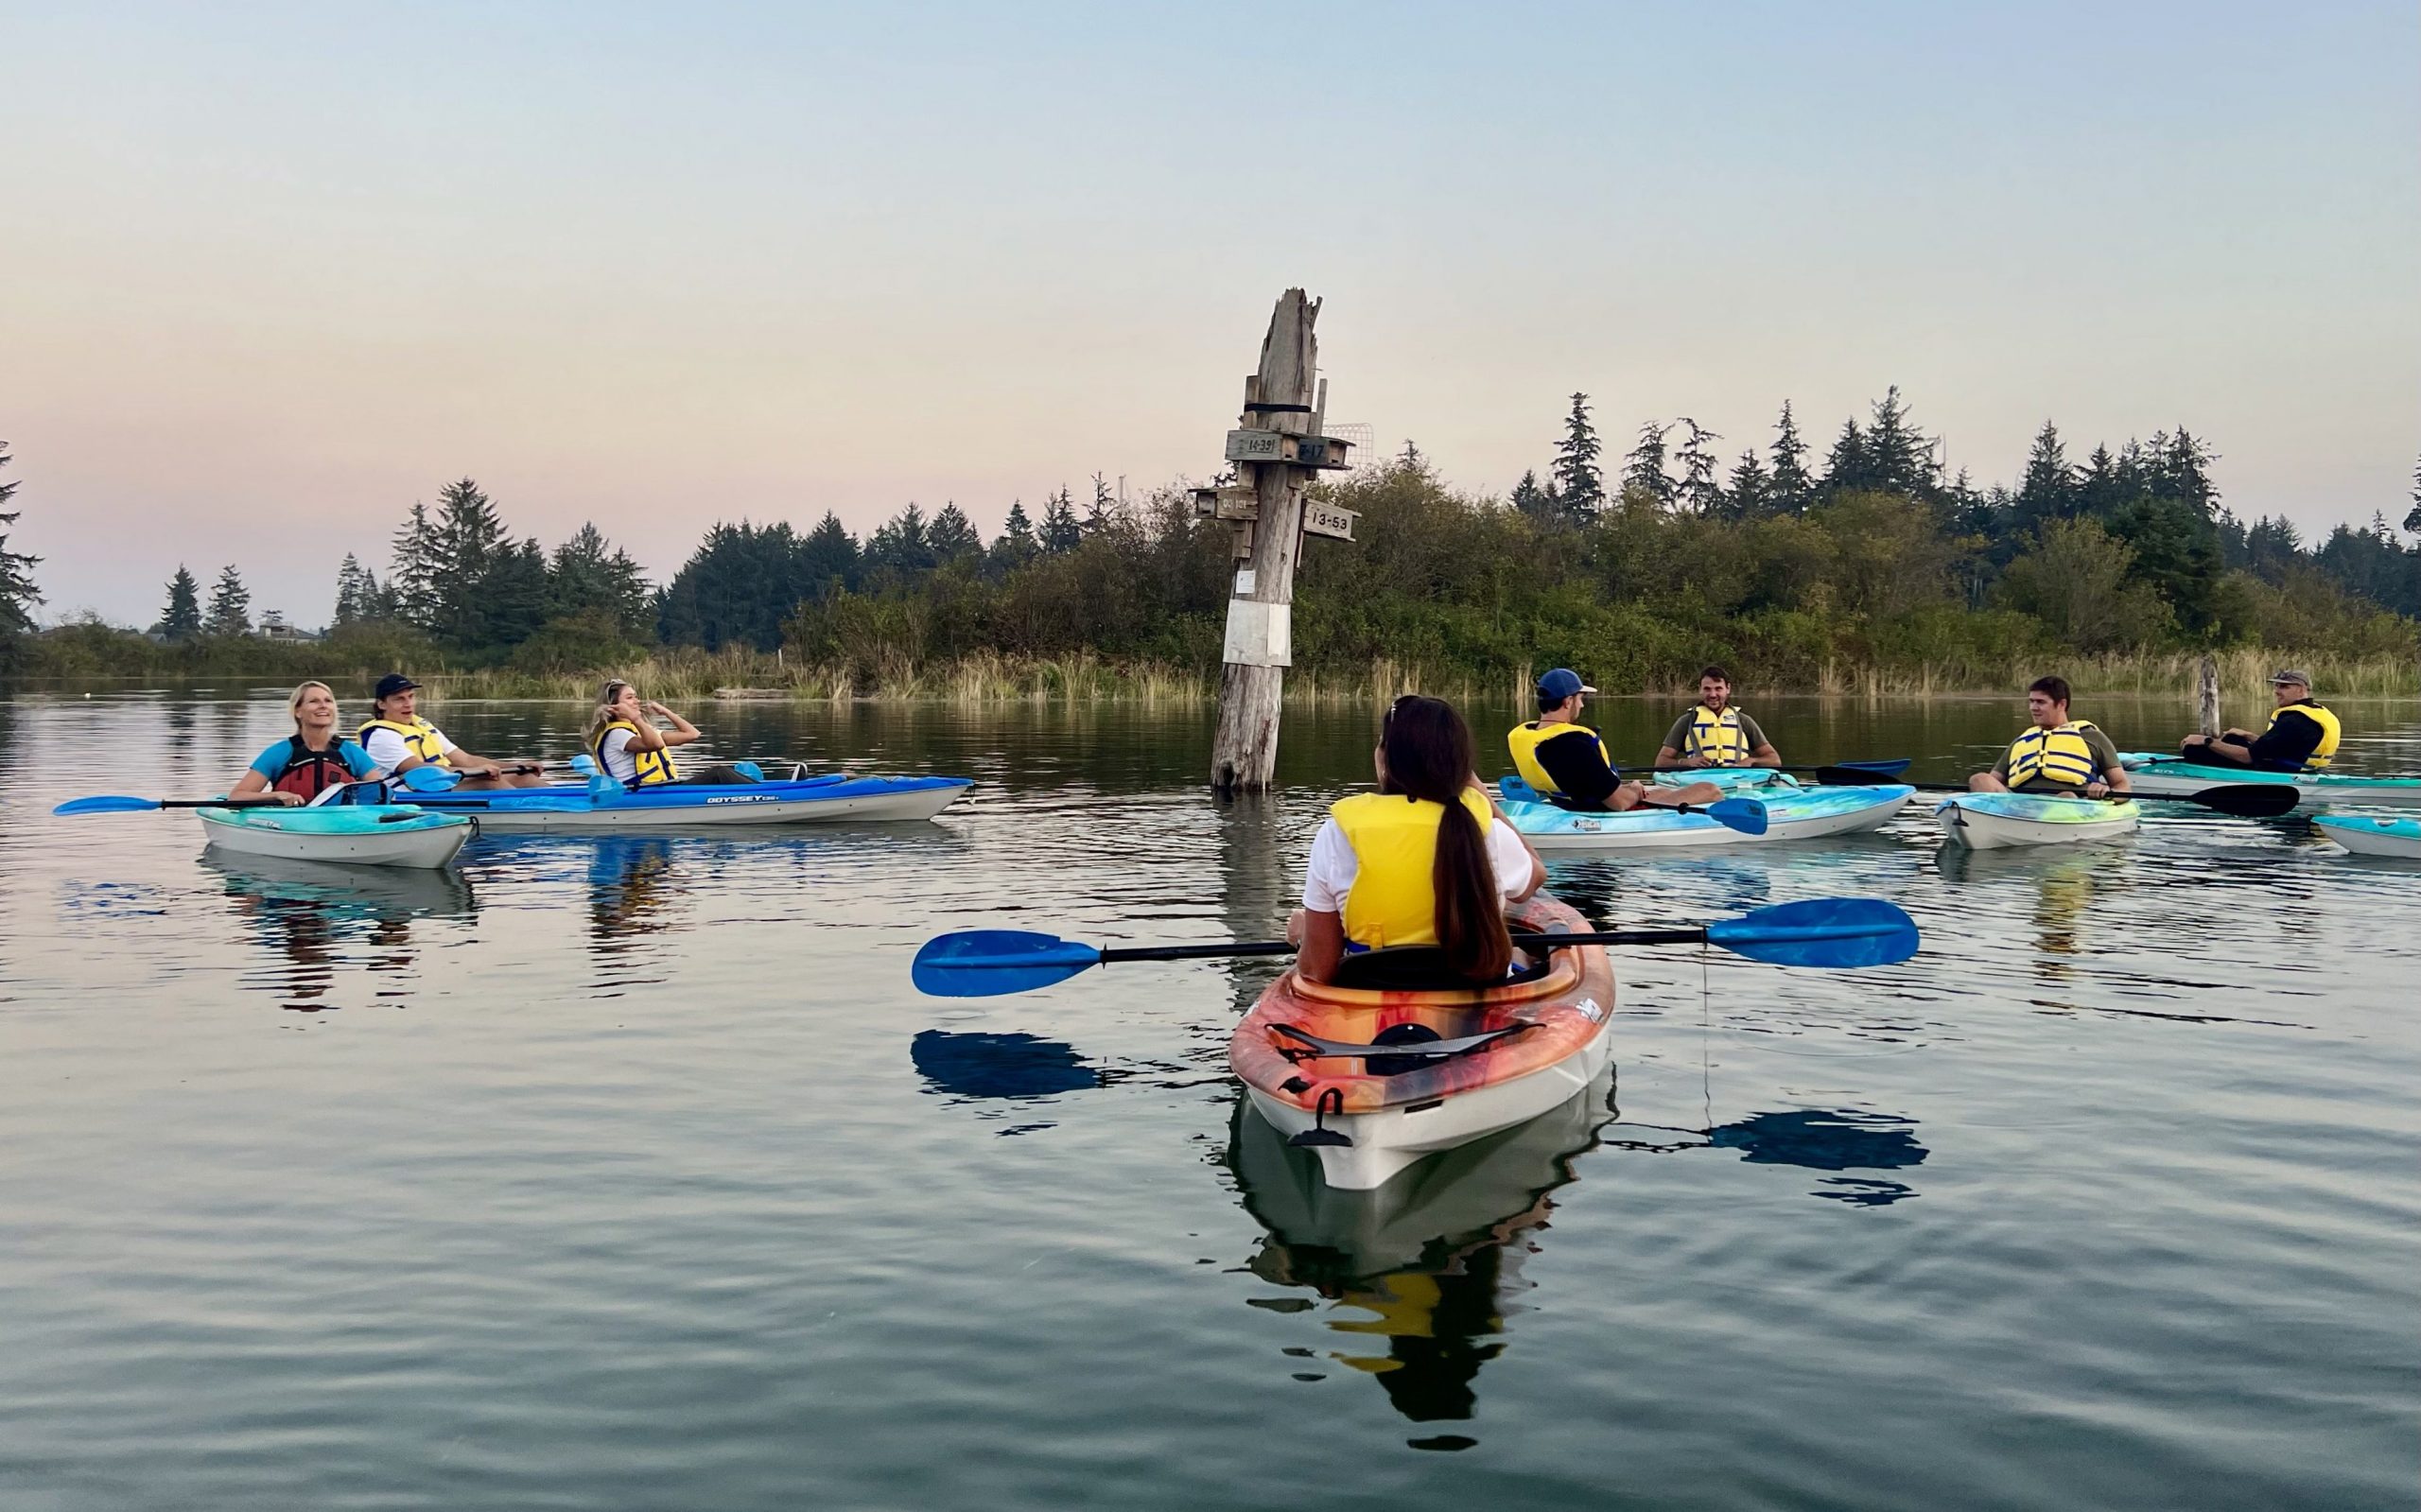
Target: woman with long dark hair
{"type": "Point", "coordinates": [1423, 861]}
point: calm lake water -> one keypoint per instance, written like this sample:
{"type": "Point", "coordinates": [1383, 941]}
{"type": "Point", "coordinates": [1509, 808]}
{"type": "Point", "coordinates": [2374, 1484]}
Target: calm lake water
{"type": "Point", "coordinates": [632, 1173]}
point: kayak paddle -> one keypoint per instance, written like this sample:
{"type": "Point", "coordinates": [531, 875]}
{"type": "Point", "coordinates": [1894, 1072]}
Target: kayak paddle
{"type": "Point", "coordinates": [1745, 815]}
{"type": "Point", "coordinates": [1825, 931]}
{"type": "Point", "coordinates": [120, 804]}
{"type": "Point", "coordinates": [1883, 769]}
{"type": "Point", "coordinates": [2246, 800]}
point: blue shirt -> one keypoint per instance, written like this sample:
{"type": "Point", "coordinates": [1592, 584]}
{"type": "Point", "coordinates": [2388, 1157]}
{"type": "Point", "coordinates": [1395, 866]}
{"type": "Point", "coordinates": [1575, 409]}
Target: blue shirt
{"type": "Point", "coordinates": [273, 761]}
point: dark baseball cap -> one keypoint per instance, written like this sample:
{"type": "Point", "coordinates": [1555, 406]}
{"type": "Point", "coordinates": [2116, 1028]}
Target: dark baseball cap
{"type": "Point", "coordinates": [1562, 683]}
{"type": "Point", "coordinates": [393, 684]}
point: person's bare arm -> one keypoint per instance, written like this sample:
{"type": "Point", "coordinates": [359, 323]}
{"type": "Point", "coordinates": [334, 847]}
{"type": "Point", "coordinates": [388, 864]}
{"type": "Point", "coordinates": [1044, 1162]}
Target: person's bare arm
{"type": "Point", "coordinates": [252, 784]}
{"type": "Point", "coordinates": [648, 738]}
{"type": "Point", "coordinates": [1321, 946]}
{"type": "Point", "coordinates": [1765, 756]}
{"type": "Point", "coordinates": [1668, 760]}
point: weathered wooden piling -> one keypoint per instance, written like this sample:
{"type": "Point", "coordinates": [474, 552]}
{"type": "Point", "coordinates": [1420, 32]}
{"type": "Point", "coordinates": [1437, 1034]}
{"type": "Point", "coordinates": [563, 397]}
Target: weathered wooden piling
{"type": "Point", "coordinates": [2208, 691]}
{"type": "Point", "coordinates": [1276, 449]}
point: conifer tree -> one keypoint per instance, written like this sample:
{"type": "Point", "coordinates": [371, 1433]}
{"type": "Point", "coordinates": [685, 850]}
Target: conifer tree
{"type": "Point", "coordinates": [18, 594]}
{"type": "Point", "coordinates": [1751, 491]}
{"type": "Point", "coordinates": [2100, 488]}
{"type": "Point", "coordinates": [2047, 492]}
{"type": "Point", "coordinates": [829, 559]}
{"type": "Point", "coordinates": [230, 605]}
{"type": "Point", "coordinates": [1579, 485]}
{"type": "Point", "coordinates": [411, 569]}
{"type": "Point", "coordinates": [1698, 492]}
{"type": "Point", "coordinates": [1849, 468]}
{"type": "Point", "coordinates": [1791, 488]}
{"type": "Point", "coordinates": [1060, 530]}
{"type": "Point", "coordinates": [952, 537]}
{"type": "Point", "coordinates": [901, 546]}
{"type": "Point", "coordinates": [1644, 466]}
{"type": "Point", "coordinates": [2413, 515]}
{"type": "Point", "coordinates": [1412, 459]}
{"type": "Point", "coordinates": [1899, 459]}
{"type": "Point", "coordinates": [181, 621]}
{"type": "Point", "coordinates": [588, 574]}
{"type": "Point", "coordinates": [1103, 509]}
{"type": "Point", "coordinates": [1015, 544]}
{"type": "Point", "coordinates": [1540, 504]}
{"type": "Point", "coordinates": [467, 547]}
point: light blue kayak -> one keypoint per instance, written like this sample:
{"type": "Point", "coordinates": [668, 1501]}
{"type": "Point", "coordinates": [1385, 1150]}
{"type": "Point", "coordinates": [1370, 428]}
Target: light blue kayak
{"type": "Point", "coordinates": [1990, 820]}
{"type": "Point", "coordinates": [359, 835]}
{"type": "Point", "coordinates": [604, 806]}
{"type": "Point", "coordinates": [1792, 812]}
{"type": "Point", "coordinates": [2373, 834]}
{"type": "Point", "coordinates": [2155, 774]}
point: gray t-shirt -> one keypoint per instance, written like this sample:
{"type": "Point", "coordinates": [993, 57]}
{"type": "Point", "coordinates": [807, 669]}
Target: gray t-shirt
{"type": "Point", "coordinates": [1678, 737]}
{"type": "Point", "coordinates": [2105, 756]}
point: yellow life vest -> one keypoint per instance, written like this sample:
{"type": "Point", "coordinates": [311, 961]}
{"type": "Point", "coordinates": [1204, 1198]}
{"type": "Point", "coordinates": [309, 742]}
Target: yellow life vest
{"type": "Point", "coordinates": [2329, 731]}
{"type": "Point", "coordinates": [2058, 755]}
{"type": "Point", "coordinates": [1394, 899]}
{"type": "Point", "coordinates": [1718, 736]}
{"type": "Point", "coordinates": [1524, 740]}
{"type": "Point", "coordinates": [420, 737]}
{"type": "Point", "coordinates": [654, 766]}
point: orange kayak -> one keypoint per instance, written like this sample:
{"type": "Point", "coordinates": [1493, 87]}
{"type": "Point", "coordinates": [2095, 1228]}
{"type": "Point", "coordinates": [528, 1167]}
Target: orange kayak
{"type": "Point", "coordinates": [1375, 1079]}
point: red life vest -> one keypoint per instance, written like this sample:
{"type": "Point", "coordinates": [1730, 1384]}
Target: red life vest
{"type": "Point", "coordinates": [308, 773]}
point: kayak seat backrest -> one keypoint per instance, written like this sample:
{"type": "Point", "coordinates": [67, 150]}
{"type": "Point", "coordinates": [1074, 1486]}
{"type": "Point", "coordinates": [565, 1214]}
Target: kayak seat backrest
{"type": "Point", "coordinates": [1417, 968]}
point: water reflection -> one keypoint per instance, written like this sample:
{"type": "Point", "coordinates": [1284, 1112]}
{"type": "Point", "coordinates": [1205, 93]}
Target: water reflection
{"type": "Point", "coordinates": [1812, 1139]}
{"type": "Point", "coordinates": [1020, 1070]}
{"type": "Point", "coordinates": [1417, 1276]}
{"type": "Point", "coordinates": [315, 921]}
{"type": "Point", "coordinates": [632, 892]}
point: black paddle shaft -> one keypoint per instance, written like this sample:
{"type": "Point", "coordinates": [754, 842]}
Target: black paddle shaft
{"type": "Point", "coordinates": [1249, 947]}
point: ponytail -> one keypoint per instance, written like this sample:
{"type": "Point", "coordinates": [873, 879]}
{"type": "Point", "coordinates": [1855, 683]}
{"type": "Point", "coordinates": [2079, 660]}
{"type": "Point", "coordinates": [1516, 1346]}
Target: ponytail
{"type": "Point", "coordinates": [1429, 756]}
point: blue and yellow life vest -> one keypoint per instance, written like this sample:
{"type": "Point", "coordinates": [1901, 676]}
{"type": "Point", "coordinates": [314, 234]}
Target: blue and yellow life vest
{"type": "Point", "coordinates": [2057, 754]}
{"type": "Point", "coordinates": [1524, 740]}
{"type": "Point", "coordinates": [1717, 738]}
{"type": "Point", "coordinates": [654, 766]}
{"type": "Point", "coordinates": [2329, 731]}
{"type": "Point", "coordinates": [420, 738]}
{"type": "Point", "coordinates": [1394, 896]}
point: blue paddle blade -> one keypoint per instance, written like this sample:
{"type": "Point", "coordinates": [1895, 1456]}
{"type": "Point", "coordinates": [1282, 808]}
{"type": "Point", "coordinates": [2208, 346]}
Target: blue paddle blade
{"type": "Point", "coordinates": [1888, 769]}
{"type": "Point", "coordinates": [1514, 790]}
{"type": "Point", "coordinates": [1823, 932]}
{"type": "Point", "coordinates": [993, 963]}
{"type": "Point", "coordinates": [106, 804]}
{"type": "Point", "coordinates": [1745, 815]}
{"type": "Point", "coordinates": [583, 765]}
{"type": "Point", "coordinates": [425, 778]}
{"type": "Point", "coordinates": [749, 768]}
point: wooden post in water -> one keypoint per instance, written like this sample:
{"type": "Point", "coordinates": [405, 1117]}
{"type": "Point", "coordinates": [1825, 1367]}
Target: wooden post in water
{"type": "Point", "coordinates": [2208, 690]}
{"type": "Point", "coordinates": [1276, 449]}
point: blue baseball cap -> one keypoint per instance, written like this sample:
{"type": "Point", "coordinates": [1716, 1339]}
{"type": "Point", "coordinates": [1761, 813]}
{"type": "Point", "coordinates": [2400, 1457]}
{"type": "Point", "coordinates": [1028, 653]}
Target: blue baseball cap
{"type": "Point", "coordinates": [1562, 683]}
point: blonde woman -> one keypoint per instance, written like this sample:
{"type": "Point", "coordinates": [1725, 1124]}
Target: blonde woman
{"type": "Point", "coordinates": [313, 759]}
{"type": "Point", "coordinates": [630, 748]}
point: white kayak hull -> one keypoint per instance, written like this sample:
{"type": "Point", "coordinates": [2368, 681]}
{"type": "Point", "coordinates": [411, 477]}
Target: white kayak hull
{"type": "Point", "coordinates": [1391, 1140]}
{"type": "Point", "coordinates": [421, 844]}
{"type": "Point", "coordinates": [2373, 834]}
{"type": "Point", "coordinates": [1999, 820]}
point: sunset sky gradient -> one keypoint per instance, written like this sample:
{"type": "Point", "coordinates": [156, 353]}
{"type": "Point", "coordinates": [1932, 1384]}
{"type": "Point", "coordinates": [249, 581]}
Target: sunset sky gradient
{"type": "Point", "coordinates": [270, 273]}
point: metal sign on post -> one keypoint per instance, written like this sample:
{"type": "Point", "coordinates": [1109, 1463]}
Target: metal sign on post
{"type": "Point", "coordinates": [1329, 520]}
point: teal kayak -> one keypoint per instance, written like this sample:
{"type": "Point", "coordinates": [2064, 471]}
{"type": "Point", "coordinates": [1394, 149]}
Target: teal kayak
{"type": "Point", "coordinates": [1792, 812]}
{"type": "Point", "coordinates": [2157, 774]}
{"type": "Point", "coordinates": [2373, 834]}
{"type": "Point", "coordinates": [1992, 821]}
{"type": "Point", "coordinates": [360, 835]}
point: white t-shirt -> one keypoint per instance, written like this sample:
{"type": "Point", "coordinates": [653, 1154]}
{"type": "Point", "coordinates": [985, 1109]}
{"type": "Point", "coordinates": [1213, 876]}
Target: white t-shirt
{"type": "Point", "coordinates": [1334, 865]}
{"type": "Point", "coordinates": [616, 750]}
{"type": "Point", "coordinates": [387, 748]}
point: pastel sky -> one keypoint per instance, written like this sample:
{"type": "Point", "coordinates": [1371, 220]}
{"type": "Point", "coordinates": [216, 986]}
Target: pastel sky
{"type": "Point", "coordinates": [270, 273]}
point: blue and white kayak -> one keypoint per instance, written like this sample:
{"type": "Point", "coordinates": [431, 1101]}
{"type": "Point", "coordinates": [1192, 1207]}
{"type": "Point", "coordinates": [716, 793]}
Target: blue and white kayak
{"type": "Point", "coordinates": [1991, 821]}
{"type": "Point", "coordinates": [2154, 773]}
{"type": "Point", "coordinates": [362, 834]}
{"type": "Point", "coordinates": [2373, 834]}
{"type": "Point", "coordinates": [605, 807]}
{"type": "Point", "coordinates": [1792, 812]}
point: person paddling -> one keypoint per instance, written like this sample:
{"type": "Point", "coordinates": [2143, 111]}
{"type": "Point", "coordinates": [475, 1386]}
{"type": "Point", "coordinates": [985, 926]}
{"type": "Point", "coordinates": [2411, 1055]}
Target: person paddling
{"type": "Point", "coordinates": [1715, 733]}
{"type": "Point", "coordinates": [313, 759]}
{"type": "Point", "coordinates": [1423, 861]}
{"type": "Point", "coordinates": [1568, 764]}
{"type": "Point", "coordinates": [631, 749]}
{"type": "Point", "coordinates": [399, 740]}
{"type": "Point", "coordinates": [2301, 735]}
{"type": "Point", "coordinates": [2055, 754]}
